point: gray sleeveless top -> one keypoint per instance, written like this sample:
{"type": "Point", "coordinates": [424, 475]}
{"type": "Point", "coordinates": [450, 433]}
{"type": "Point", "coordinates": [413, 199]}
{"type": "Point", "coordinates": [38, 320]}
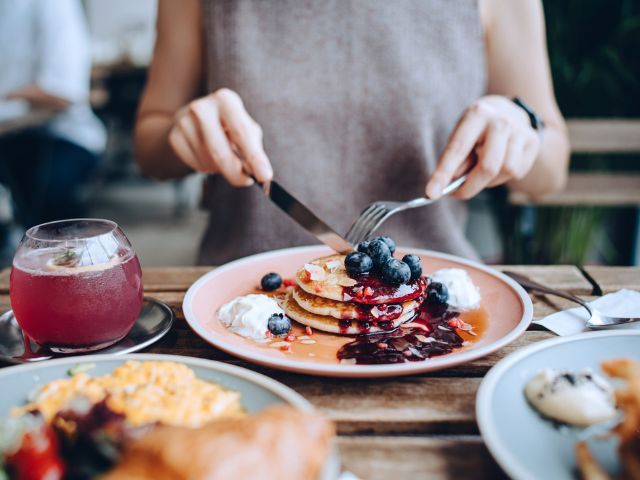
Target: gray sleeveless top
{"type": "Point", "coordinates": [356, 99]}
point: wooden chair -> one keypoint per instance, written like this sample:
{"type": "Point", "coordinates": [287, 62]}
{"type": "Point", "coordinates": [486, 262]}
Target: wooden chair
{"type": "Point", "coordinates": [610, 189]}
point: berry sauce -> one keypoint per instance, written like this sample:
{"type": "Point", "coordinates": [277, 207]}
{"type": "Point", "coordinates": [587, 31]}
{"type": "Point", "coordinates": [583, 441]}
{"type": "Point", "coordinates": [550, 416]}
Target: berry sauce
{"type": "Point", "coordinates": [366, 319]}
{"type": "Point", "coordinates": [427, 335]}
{"type": "Point", "coordinates": [382, 312]}
{"type": "Point", "coordinates": [372, 290]}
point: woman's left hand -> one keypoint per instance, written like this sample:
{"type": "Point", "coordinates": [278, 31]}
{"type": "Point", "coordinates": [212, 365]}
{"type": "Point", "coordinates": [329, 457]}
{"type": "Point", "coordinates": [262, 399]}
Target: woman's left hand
{"type": "Point", "coordinates": [499, 135]}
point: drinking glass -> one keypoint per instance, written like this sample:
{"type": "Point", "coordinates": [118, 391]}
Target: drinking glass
{"type": "Point", "coordinates": [76, 285]}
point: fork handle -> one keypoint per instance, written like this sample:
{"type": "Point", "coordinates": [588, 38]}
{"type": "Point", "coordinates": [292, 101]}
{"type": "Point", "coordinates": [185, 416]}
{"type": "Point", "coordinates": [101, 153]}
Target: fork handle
{"type": "Point", "coordinates": [529, 284]}
{"type": "Point", "coordinates": [423, 201]}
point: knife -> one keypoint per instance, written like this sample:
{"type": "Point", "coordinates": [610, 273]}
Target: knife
{"type": "Point", "coordinates": [305, 217]}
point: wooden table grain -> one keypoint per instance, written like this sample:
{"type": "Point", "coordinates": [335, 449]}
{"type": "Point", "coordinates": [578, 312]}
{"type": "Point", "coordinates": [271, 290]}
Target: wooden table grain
{"type": "Point", "coordinates": [420, 426]}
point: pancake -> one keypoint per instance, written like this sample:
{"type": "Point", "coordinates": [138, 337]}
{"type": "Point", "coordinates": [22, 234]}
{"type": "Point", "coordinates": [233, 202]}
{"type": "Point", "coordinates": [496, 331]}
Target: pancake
{"type": "Point", "coordinates": [333, 325]}
{"type": "Point", "coordinates": [326, 277]}
{"type": "Point", "coordinates": [351, 311]}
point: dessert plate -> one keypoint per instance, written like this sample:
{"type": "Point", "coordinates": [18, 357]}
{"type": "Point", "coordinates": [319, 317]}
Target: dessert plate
{"type": "Point", "coordinates": [153, 323]}
{"type": "Point", "coordinates": [524, 444]}
{"type": "Point", "coordinates": [256, 391]}
{"type": "Point", "coordinates": [507, 307]}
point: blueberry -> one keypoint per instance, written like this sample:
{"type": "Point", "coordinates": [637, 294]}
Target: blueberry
{"type": "Point", "coordinates": [414, 265]}
{"type": "Point", "coordinates": [396, 272]}
{"type": "Point", "coordinates": [278, 324]}
{"type": "Point", "coordinates": [437, 293]}
{"type": "Point", "coordinates": [379, 253]}
{"type": "Point", "coordinates": [358, 263]}
{"type": "Point", "coordinates": [390, 243]}
{"type": "Point", "coordinates": [271, 281]}
{"type": "Point", "coordinates": [363, 246]}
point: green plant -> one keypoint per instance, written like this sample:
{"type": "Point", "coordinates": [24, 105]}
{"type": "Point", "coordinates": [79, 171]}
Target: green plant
{"type": "Point", "coordinates": [593, 52]}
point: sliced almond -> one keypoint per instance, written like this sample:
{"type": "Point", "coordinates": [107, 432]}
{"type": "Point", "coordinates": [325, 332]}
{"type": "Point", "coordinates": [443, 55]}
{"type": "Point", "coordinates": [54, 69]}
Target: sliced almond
{"type": "Point", "coordinates": [316, 272]}
{"type": "Point", "coordinates": [466, 327]}
{"type": "Point", "coordinates": [308, 342]}
{"type": "Point", "coordinates": [424, 339]}
{"type": "Point", "coordinates": [348, 361]}
{"type": "Point", "coordinates": [347, 282]}
{"type": "Point", "coordinates": [333, 265]}
{"type": "Point", "coordinates": [415, 325]}
{"type": "Point", "coordinates": [279, 344]}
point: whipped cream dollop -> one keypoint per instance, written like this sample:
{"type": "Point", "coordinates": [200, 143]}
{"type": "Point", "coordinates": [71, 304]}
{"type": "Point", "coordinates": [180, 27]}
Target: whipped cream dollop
{"type": "Point", "coordinates": [579, 399]}
{"type": "Point", "coordinates": [463, 294]}
{"type": "Point", "coordinates": [249, 315]}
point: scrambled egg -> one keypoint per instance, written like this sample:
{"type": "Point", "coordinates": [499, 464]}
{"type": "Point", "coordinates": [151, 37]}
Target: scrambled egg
{"type": "Point", "coordinates": [145, 392]}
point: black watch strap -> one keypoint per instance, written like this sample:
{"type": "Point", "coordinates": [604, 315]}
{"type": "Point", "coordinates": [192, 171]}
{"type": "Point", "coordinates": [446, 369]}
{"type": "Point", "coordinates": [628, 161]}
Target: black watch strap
{"type": "Point", "coordinates": [536, 120]}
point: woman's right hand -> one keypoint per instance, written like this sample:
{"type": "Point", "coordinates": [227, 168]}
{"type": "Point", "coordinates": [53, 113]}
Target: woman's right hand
{"type": "Point", "coordinates": [216, 135]}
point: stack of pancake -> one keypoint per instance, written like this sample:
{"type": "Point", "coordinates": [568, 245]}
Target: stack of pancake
{"type": "Point", "coordinates": [326, 298]}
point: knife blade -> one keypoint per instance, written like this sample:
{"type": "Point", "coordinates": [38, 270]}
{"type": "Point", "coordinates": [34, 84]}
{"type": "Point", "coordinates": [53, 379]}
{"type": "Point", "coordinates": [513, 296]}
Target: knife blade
{"type": "Point", "coordinates": [305, 217]}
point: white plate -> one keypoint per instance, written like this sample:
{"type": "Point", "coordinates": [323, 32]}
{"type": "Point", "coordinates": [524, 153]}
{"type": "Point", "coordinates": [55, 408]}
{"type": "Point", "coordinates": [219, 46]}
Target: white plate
{"type": "Point", "coordinates": [507, 305]}
{"type": "Point", "coordinates": [257, 391]}
{"type": "Point", "coordinates": [525, 445]}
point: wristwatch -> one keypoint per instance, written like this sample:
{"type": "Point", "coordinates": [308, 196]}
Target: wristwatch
{"type": "Point", "coordinates": [536, 120]}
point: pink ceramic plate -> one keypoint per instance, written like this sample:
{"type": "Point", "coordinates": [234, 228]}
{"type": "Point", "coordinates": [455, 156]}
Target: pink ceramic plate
{"type": "Point", "coordinates": [505, 306]}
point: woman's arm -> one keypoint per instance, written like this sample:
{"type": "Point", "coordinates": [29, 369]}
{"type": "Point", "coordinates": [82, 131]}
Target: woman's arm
{"type": "Point", "coordinates": [175, 78]}
{"type": "Point", "coordinates": [39, 99]}
{"type": "Point", "coordinates": [496, 130]}
{"type": "Point", "coordinates": [177, 133]}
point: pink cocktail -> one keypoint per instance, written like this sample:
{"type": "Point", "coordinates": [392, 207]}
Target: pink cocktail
{"type": "Point", "coordinates": [76, 285]}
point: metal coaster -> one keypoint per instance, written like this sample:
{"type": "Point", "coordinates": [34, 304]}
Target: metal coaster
{"type": "Point", "coordinates": [154, 322]}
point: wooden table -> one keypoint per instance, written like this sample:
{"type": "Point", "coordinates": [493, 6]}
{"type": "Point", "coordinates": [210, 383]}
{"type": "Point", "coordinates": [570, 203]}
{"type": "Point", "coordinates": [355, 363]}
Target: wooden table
{"type": "Point", "coordinates": [422, 426]}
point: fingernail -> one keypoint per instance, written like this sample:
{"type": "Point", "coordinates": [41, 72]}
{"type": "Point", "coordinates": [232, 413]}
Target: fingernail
{"type": "Point", "coordinates": [434, 189]}
{"type": "Point", "coordinates": [266, 172]}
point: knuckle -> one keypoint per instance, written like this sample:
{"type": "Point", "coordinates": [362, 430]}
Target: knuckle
{"type": "Point", "coordinates": [183, 122]}
{"type": "Point", "coordinates": [500, 125]}
{"type": "Point", "coordinates": [477, 108]}
{"type": "Point", "coordinates": [236, 180]}
{"type": "Point", "coordinates": [465, 194]}
{"type": "Point", "coordinates": [226, 94]}
{"type": "Point", "coordinates": [197, 107]}
{"type": "Point", "coordinates": [245, 129]}
{"type": "Point", "coordinates": [533, 142]}
{"type": "Point", "coordinates": [518, 174]}
{"type": "Point", "coordinates": [257, 128]}
{"type": "Point", "coordinates": [489, 169]}
{"type": "Point", "coordinates": [512, 170]}
{"type": "Point", "coordinates": [223, 160]}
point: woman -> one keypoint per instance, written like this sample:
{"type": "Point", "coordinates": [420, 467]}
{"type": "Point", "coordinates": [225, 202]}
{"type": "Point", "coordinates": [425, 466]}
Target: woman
{"type": "Point", "coordinates": [357, 101]}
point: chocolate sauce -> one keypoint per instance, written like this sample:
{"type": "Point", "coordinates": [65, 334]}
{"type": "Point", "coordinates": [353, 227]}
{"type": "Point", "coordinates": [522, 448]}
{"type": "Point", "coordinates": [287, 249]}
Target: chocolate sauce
{"type": "Point", "coordinates": [426, 336]}
{"type": "Point", "coordinates": [372, 290]}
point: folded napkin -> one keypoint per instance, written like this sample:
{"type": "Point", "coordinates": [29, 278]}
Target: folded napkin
{"type": "Point", "coordinates": [623, 303]}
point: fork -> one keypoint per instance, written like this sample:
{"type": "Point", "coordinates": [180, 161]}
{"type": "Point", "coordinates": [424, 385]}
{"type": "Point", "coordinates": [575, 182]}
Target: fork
{"type": "Point", "coordinates": [376, 213]}
{"type": "Point", "coordinates": [597, 320]}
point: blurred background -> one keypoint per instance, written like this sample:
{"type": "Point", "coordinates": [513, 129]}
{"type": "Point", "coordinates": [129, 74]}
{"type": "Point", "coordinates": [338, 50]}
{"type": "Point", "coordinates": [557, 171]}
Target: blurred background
{"type": "Point", "coordinates": [593, 46]}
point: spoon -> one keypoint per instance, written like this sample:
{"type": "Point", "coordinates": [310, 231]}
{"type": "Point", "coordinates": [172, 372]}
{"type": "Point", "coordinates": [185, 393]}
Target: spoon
{"type": "Point", "coordinates": [596, 320]}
